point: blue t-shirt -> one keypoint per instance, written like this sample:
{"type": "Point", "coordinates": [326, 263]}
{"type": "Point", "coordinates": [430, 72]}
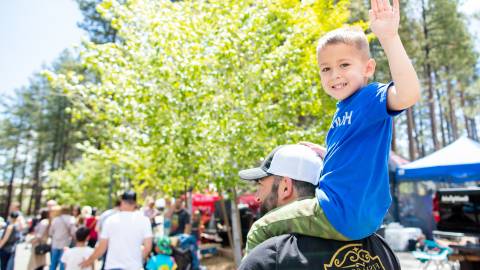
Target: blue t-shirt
{"type": "Point", "coordinates": [354, 188]}
{"type": "Point", "coordinates": [161, 262]}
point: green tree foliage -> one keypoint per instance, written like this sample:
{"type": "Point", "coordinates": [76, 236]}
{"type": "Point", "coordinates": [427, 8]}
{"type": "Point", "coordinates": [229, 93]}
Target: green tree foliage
{"type": "Point", "coordinates": [37, 127]}
{"type": "Point", "coordinates": [74, 189]}
{"type": "Point", "coordinates": [200, 89]}
{"type": "Point", "coordinates": [98, 28]}
{"type": "Point", "coordinates": [439, 27]}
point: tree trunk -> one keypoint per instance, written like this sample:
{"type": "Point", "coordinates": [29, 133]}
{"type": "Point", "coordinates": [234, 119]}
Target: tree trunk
{"type": "Point", "coordinates": [428, 75]}
{"type": "Point", "coordinates": [465, 117]}
{"type": "Point", "coordinates": [236, 230]}
{"type": "Point", "coordinates": [451, 107]}
{"type": "Point", "coordinates": [57, 135]}
{"type": "Point", "coordinates": [411, 139]}
{"type": "Point", "coordinates": [37, 185]}
{"type": "Point", "coordinates": [24, 174]}
{"type": "Point", "coordinates": [474, 129]}
{"type": "Point", "coordinates": [421, 144]}
{"type": "Point", "coordinates": [418, 131]}
{"type": "Point", "coordinates": [227, 222]}
{"type": "Point", "coordinates": [12, 178]}
{"type": "Point", "coordinates": [442, 124]}
{"type": "Point", "coordinates": [63, 140]}
{"type": "Point", "coordinates": [31, 199]}
{"type": "Point", "coordinates": [470, 124]}
{"type": "Point", "coordinates": [66, 141]}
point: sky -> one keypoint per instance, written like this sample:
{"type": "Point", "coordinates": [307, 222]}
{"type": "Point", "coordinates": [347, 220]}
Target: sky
{"type": "Point", "coordinates": [32, 33]}
{"type": "Point", "coordinates": [35, 32]}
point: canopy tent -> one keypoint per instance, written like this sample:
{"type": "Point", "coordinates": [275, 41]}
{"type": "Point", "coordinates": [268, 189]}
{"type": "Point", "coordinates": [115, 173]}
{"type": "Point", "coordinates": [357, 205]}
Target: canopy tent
{"type": "Point", "coordinates": [458, 162]}
{"type": "Point", "coordinates": [395, 161]}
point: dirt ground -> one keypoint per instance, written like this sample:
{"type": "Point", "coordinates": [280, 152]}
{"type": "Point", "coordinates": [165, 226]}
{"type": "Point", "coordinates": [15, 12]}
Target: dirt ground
{"type": "Point", "coordinates": [218, 262]}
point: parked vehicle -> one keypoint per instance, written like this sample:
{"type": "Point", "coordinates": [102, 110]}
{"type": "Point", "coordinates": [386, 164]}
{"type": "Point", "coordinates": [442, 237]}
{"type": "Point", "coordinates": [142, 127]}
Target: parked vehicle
{"type": "Point", "coordinates": [457, 212]}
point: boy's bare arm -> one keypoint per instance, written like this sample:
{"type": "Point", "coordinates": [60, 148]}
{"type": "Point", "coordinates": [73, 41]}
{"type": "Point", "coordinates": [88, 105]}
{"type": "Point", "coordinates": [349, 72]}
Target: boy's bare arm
{"type": "Point", "coordinates": [384, 22]}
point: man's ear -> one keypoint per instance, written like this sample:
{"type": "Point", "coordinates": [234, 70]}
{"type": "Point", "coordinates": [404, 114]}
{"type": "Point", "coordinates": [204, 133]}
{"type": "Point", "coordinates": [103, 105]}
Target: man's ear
{"type": "Point", "coordinates": [370, 67]}
{"type": "Point", "coordinates": [285, 190]}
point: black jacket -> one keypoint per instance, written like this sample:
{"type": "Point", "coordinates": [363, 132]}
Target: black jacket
{"type": "Point", "coordinates": [293, 251]}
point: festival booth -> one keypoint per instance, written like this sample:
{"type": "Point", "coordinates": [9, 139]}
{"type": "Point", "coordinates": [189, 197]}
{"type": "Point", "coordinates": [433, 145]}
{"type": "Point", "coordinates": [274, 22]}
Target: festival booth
{"type": "Point", "coordinates": [458, 162]}
{"type": "Point", "coordinates": [204, 202]}
{"type": "Point", "coordinates": [453, 165]}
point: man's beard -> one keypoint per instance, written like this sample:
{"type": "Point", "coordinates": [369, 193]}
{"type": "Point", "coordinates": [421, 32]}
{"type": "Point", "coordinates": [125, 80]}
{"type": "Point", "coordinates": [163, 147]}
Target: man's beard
{"type": "Point", "coordinates": [271, 201]}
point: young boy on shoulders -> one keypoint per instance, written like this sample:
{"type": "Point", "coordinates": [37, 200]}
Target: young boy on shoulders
{"type": "Point", "coordinates": [353, 195]}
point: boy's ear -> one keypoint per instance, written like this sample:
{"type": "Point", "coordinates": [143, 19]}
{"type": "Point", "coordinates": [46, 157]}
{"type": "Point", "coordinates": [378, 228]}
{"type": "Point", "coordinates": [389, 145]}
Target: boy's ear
{"type": "Point", "coordinates": [370, 68]}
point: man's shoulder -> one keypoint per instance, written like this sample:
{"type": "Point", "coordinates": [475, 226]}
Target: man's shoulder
{"type": "Point", "coordinates": [182, 212]}
{"type": "Point", "coordinates": [105, 213]}
{"type": "Point", "coordinates": [132, 218]}
{"type": "Point", "coordinates": [263, 256]}
{"type": "Point", "coordinates": [307, 252]}
{"type": "Point", "coordinates": [55, 220]}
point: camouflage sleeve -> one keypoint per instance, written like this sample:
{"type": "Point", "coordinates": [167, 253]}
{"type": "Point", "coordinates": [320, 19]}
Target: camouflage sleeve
{"type": "Point", "coordinates": [303, 217]}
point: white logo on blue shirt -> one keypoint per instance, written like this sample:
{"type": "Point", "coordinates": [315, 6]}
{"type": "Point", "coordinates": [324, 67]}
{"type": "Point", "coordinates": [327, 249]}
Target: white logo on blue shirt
{"type": "Point", "coordinates": [346, 119]}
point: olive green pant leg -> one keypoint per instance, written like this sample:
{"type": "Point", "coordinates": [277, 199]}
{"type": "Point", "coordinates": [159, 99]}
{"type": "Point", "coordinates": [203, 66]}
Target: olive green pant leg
{"type": "Point", "coordinates": [304, 217]}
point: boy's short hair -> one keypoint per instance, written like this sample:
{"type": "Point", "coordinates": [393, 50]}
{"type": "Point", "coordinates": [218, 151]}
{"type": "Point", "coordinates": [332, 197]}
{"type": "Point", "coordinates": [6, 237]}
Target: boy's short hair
{"type": "Point", "coordinates": [351, 35]}
{"type": "Point", "coordinates": [82, 233]}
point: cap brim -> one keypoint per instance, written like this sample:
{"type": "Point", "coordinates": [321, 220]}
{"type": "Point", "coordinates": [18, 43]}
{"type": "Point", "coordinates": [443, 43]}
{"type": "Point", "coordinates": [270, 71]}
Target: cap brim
{"type": "Point", "coordinates": [252, 174]}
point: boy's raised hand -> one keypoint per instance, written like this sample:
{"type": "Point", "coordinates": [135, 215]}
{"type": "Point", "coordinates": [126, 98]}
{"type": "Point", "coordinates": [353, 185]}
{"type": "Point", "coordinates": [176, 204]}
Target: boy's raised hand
{"type": "Point", "coordinates": [384, 19]}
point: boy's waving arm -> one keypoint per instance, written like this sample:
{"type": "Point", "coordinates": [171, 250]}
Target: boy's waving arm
{"type": "Point", "coordinates": [384, 22]}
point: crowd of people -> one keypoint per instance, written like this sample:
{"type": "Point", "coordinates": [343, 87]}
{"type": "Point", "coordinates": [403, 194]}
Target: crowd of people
{"type": "Point", "coordinates": [127, 236]}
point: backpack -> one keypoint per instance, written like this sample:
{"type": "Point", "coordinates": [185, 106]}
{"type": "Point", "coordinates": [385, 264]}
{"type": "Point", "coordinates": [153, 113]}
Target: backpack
{"type": "Point", "coordinates": [13, 239]}
{"type": "Point", "coordinates": [183, 258]}
{"type": "Point", "coordinates": [185, 251]}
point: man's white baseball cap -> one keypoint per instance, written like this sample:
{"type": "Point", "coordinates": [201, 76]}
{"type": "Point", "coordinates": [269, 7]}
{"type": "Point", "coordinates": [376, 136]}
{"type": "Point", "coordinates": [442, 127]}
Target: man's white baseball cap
{"type": "Point", "coordinates": [295, 161]}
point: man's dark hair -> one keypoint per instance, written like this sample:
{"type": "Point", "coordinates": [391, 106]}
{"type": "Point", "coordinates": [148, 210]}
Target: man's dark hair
{"type": "Point", "coordinates": [82, 233]}
{"type": "Point", "coordinates": [14, 214]}
{"type": "Point", "coordinates": [43, 213]}
{"type": "Point", "coordinates": [304, 189]}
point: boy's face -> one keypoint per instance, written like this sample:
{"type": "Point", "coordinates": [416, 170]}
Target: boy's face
{"type": "Point", "coordinates": [344, 69]}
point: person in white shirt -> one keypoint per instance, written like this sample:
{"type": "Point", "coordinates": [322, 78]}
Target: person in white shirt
{"type": "Point", "coordinates": [74, 256]}
{"type": "Point", "coordinates": [124, 233]}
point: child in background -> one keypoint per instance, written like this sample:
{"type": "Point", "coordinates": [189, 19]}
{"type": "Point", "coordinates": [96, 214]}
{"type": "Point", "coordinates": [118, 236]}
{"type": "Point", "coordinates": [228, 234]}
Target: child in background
{"type": "Point", "coordinates": [74, 256]}
{"type": "Point", "coordinates": [163, 260]}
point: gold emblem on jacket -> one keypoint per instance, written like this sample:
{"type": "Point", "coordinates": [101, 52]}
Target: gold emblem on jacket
{"type": "Point", "coordinates": [354, 257]}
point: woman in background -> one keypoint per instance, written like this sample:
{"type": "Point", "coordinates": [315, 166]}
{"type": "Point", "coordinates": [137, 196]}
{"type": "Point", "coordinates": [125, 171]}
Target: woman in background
{"type": "Point", "coordinates": [9, 240]}
{"type": "Point", "coordinates": [40, 236]}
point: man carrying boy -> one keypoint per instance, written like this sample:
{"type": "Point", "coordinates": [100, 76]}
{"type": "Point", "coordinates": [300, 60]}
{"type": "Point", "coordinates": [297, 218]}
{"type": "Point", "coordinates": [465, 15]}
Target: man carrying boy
{"type": "Point", "coordinates": [353, 193]}
{"type": "Point", "coordinates": [300, 167]}
{"type": "Point", "coordinates": [74, 256]}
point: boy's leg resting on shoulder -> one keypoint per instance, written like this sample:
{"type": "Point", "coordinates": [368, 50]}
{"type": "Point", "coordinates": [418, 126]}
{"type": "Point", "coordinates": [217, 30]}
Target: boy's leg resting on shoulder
{"type": "Point", "coordinates": [304, 217]}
